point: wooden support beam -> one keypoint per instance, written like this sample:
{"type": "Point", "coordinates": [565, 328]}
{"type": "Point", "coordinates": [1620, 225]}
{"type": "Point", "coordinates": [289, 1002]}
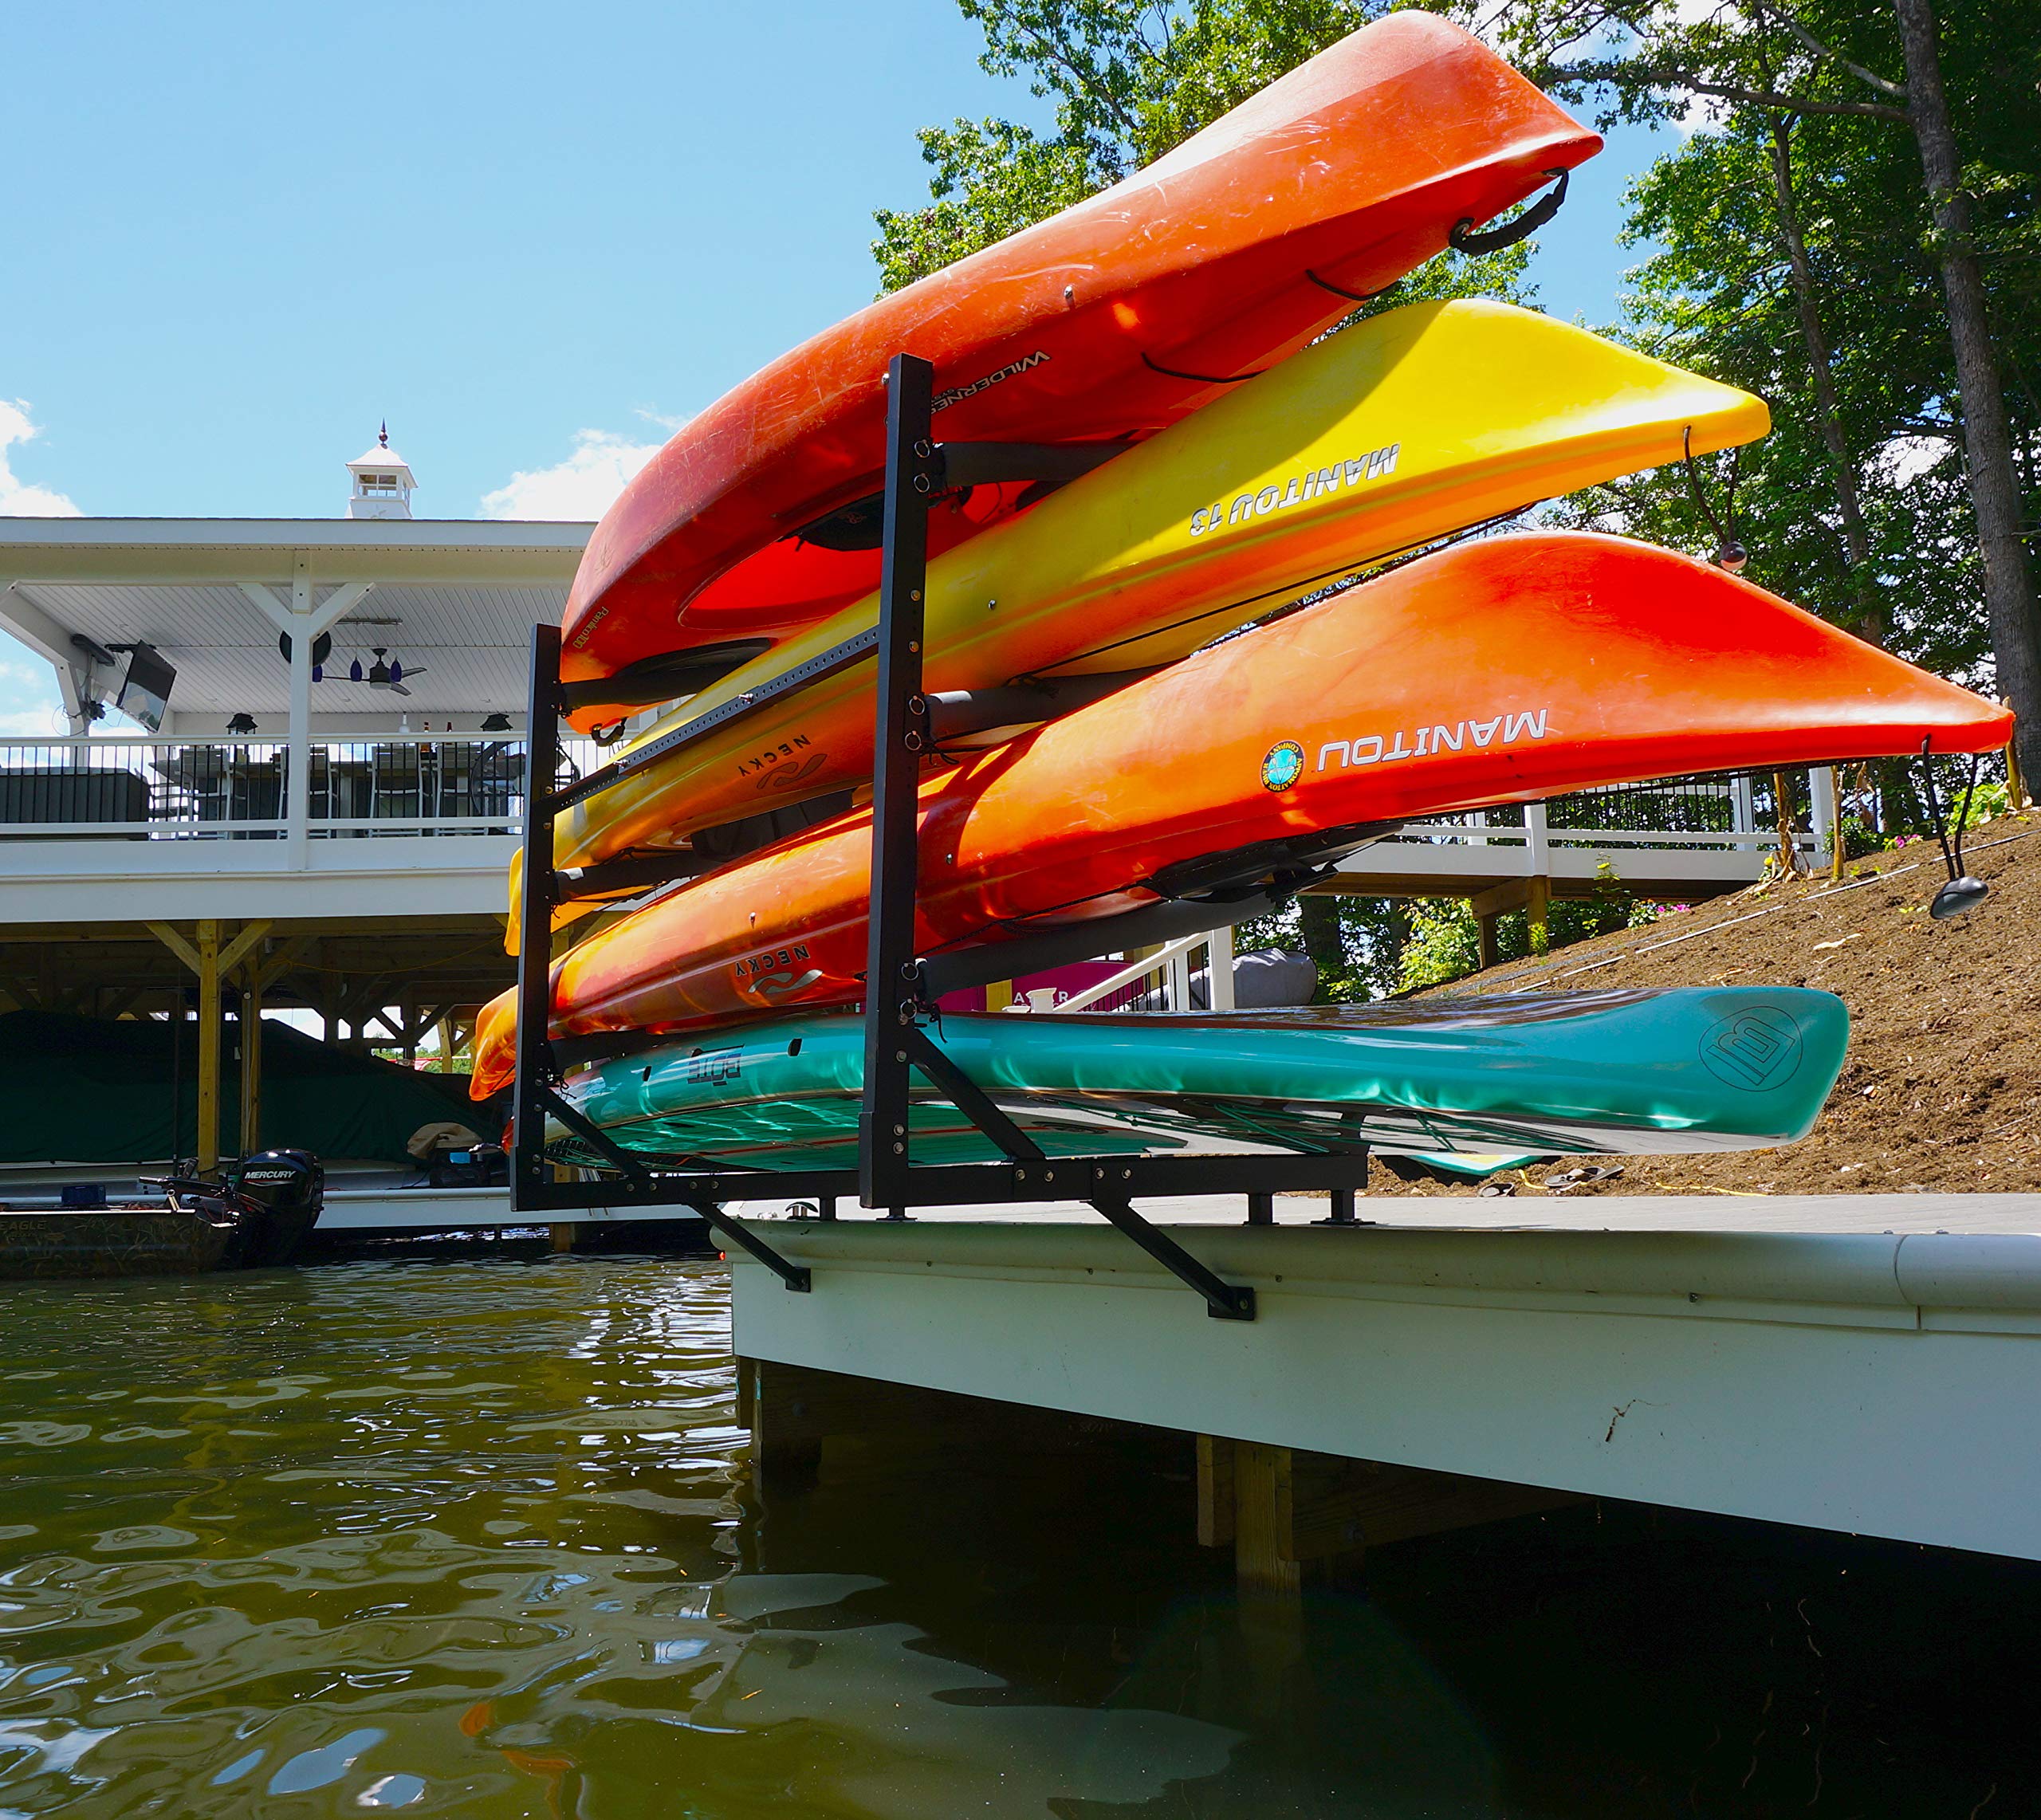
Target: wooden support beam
{"type": "Point", "coordinates": [280, 960]}
{"type": "Point", "coordinates": [1284, 1509]}
{"type": "Point", "coordinates": [788, 1420]}
{"type": "Point", "coordinates": [1511, 895]}
{"type": "Point", "coordinates": [251, 1067]}
{"type": "Point", "coordinates": [208, 955]}
{"type": "Point", "coordinates": [1538, 911]}
{"type": "Point", "coordinates": [1265, 1514]}
{"type": "Point", "coordinates": [178, 946]}
{"type": "Point", "coordinates": [1215, 1490]}
{"type": "Point", "coordinates": [243, 945]}
{"type": "Point", "coordinates": [561, 1235]}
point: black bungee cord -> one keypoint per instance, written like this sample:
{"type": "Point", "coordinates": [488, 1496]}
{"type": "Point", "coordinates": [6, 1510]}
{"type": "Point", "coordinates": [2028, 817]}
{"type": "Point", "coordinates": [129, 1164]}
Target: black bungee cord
{"type": "Point", "coordinates": [1961, 893]}
{"type": "Point", "coordinates": [1729, 552]}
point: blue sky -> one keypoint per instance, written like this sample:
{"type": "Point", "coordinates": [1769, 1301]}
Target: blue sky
{"type": "Point", "coordinates": [239, 236]}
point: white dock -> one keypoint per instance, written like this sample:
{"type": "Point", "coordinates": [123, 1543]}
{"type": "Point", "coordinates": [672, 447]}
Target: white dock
{"type": "Point", "coordinates": [1868, 1363]}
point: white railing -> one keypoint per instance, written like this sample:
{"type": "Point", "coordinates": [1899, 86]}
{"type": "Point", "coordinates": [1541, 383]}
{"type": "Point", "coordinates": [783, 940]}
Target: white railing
{"type": "Point", "coordinates": [229, 788]}
{"type": "Point", "coordinates": [1732, 815]}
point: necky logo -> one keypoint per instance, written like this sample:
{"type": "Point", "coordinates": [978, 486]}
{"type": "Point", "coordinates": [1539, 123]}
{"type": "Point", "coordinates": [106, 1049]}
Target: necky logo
{"type": "Point", "coordinates": [1297, 489]}
{"type": "Point", "coordinates": [1376, 748]}
{"type": "Point", "coordinates": [773, 959]}
{"type": "Point", "coordinates": [943, 400]}
{"type": "Point", "coordinates": [718, 1066]}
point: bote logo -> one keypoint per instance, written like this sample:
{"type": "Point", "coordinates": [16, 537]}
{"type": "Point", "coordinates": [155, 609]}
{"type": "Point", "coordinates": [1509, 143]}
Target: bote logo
{"type": "Point", "coordinates": [1755, 1049]}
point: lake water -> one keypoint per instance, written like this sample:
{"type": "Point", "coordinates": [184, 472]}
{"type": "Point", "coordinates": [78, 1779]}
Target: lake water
{"type": "Point", "coordinates": [475, 1537]}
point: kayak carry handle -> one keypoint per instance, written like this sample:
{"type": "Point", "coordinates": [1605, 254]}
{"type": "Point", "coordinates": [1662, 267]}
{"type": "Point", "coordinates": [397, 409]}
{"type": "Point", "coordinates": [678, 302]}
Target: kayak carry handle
{"type": "Point", "coordinates": [1464, 239]}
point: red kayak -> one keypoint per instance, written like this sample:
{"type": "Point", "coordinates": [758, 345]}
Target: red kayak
{"type": "Point", "coordinates": [1503, 670]}
{"type": "Point", "coordinates": [1104, 324]}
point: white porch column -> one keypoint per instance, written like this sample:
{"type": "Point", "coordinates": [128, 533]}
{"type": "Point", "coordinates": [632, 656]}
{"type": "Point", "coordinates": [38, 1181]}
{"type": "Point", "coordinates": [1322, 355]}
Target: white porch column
{"type": "Point", "coordinates": [298, 791]}
{"type": "Point", "coordinates": [298, 621]}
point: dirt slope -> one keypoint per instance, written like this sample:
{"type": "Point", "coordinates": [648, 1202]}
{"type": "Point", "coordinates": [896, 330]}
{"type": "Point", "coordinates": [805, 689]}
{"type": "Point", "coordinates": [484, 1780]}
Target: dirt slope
{"type": "Point", "coordinates": [1942, 1088]}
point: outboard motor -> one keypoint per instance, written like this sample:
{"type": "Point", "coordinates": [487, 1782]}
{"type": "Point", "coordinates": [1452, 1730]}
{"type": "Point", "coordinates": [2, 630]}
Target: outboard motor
{"type": "Point", "coordinates": [282, 1194]}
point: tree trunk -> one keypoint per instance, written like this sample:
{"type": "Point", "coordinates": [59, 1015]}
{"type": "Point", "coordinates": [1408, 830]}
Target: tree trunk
{"type": "Point", "coordinates": [1987, 440]}
{"type": "Point", "coordinates": [1873, 622]}
{"type": "Point", "coordinates": [1317, 921]}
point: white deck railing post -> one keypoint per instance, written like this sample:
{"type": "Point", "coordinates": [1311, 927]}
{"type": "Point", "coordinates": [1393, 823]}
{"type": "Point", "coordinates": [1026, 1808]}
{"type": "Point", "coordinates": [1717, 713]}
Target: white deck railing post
{"type": "Point", "coordinates": [1537, 841]}
{"type": "Point", "coordinates": [1219, 975]}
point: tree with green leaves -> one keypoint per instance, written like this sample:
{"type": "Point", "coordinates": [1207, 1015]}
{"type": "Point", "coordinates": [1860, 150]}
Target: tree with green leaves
{"type": "Point", "coordinates": [1868, 91]}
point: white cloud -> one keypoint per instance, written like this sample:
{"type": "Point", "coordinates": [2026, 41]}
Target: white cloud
{"type": "Point", "coordinates": [18, 499]}
{"type": "Point", "coordinates": [29, 705]}
{"type": "Point", "coordinates": [581, 487]}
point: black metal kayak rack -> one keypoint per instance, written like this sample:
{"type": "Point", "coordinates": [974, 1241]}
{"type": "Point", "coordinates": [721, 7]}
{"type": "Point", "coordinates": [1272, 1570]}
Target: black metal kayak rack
{"type": "Point", "coordinates": [898, 1002]}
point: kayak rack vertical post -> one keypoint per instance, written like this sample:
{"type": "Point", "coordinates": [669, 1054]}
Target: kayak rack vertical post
{"type": "Point", "coordinates": [536, 1069]}
{"type": "Point", "coordinates": [893, 991]}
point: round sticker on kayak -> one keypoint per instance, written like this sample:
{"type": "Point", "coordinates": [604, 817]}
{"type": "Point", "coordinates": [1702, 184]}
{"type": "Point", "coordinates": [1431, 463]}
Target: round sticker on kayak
{"type": "Point", "coordinates": [1283, 765]}
{"type": "Point", "coordinates": [1757, 1048]}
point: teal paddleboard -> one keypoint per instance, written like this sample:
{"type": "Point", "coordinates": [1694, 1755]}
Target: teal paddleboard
{"type": "Point", "coordinates": [1619, 1072]}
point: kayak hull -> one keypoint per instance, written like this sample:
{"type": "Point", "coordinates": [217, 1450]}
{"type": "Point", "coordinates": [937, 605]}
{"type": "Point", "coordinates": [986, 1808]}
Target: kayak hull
{"type": "Point", "coordinates": [1114, 318]}
{"type": "Point", "coordinates": [1381, 438]}
{"type": "Point", "coordinates": [1613, 1073]}
{"type": "Point", "coordinates": [1512, 669]}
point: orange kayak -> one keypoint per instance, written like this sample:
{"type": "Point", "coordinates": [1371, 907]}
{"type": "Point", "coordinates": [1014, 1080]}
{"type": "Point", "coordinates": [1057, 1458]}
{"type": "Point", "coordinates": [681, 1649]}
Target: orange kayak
{"type": "Point", "coordinates": [1503, 670]}
{"type": "Point", "coordinates": [1104, 323]}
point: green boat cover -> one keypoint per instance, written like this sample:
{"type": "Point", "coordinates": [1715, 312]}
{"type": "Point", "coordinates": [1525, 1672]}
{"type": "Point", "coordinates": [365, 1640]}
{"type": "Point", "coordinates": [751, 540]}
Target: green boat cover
{"type": "Point", "coordinates": [1615, 1072]}
{"type": "Point", "coordinates": [95, 1090]}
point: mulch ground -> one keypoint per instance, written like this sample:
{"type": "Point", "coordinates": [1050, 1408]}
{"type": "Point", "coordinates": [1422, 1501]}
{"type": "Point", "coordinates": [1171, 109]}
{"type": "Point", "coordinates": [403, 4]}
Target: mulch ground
{"type": "Point", "coordinates": [1942, 1087]}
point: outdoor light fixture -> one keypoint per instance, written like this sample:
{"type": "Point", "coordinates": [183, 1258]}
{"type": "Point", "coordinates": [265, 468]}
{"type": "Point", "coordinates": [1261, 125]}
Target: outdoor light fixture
{"type": "Point", "coordinates": [241, 724]}
{"type": "Point", "coordinates": [145, 687]}
{"type": "Point", "coordinates": [497, 724]}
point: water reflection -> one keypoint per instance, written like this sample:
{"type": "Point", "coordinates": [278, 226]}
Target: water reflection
{"type": "Point", "coordinates": [478, 1539]}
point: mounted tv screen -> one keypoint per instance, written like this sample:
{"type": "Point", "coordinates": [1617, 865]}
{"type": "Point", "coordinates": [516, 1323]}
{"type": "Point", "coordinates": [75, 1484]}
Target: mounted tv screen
{"type": "Point", "coordinates": [145, 687]}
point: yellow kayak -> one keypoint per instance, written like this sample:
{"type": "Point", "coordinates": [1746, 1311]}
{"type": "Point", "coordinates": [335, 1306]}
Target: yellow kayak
{"type": "Point", "coordinates": [1393, 432]}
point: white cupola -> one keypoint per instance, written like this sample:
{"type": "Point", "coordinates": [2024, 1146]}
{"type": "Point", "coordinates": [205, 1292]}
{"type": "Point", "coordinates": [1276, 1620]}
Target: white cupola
{"type": "Point", "coordinates": [380, 482]}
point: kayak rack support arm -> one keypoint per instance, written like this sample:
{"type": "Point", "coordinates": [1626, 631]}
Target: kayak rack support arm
{"type": "Point", "coordinates": [593, 1135]}
{"type": "Point", "coordinates": [1223, 1301]}
{"type": "Point", "coordinates": [797, 1277]}
{"type": "Point", "coordinates": [824, 663]}
{"type": "Point", "coordinates": [965, 1093]}
{"type": "Point", "coordinates": [635, 872]}
{"type": "Point", "coordinates": [959, 464]}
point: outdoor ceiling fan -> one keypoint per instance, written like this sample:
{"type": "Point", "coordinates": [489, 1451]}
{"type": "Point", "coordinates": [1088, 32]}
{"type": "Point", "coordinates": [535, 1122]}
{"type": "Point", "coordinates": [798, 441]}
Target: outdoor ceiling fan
{"type": "Point", "coordinates": [385, 672]}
